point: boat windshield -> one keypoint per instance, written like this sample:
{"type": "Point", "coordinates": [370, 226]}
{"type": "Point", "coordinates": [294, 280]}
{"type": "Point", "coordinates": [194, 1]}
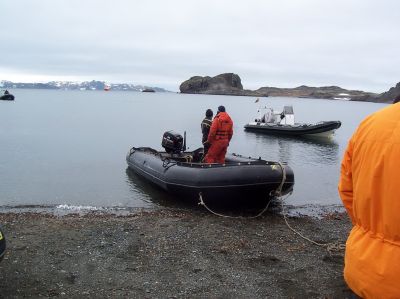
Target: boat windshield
{"type": "Point", "coordinates": [269, 116]}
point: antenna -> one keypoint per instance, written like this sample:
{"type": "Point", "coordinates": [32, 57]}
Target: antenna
{"type": "Point", "coordinates": [184, 141]}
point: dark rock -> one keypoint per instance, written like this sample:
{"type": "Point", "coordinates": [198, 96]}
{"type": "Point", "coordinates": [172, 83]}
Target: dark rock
{"type": "Point", "coordinates": [148, 90]}
{"type": "Point", "coordinates": [389, 96]}
{"type": "Point", "coordinates": [228, 83]}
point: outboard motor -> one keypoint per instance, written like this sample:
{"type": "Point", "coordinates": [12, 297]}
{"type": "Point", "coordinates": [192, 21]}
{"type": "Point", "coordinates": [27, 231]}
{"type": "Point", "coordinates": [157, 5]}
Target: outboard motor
{"type": "Point", "coordinates": [172, 142]}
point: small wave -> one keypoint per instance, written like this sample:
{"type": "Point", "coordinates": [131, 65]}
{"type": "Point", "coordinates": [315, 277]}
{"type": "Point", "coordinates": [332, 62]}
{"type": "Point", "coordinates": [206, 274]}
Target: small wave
{"type": "Point", "coordinates": [67, 209]}
{"type": "Point", "coordinates": [312, 210]}
{"type": "Point", "coordinates": [80, 208]}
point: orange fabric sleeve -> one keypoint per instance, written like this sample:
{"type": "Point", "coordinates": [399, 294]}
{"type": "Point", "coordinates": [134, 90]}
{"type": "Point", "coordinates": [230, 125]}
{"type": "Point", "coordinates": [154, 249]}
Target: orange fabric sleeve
{"type": "Point", "coordinates": [346, 180]}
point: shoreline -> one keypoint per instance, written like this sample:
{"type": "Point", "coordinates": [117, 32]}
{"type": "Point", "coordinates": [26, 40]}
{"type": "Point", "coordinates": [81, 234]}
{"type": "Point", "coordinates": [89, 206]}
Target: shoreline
{"type": "Point", "coordinates": [306, 210]}
{"type": "Point", "coordinates": [171, 253]}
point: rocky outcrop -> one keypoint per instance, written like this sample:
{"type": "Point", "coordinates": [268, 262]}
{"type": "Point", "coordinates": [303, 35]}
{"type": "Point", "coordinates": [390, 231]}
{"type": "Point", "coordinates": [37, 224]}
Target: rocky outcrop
{"type": "Point", "coordinates": [388, 97]}
{"type": "Point", "coordinates": [324, 92]}
{"type": "Point", "coordinates": [229, 84]}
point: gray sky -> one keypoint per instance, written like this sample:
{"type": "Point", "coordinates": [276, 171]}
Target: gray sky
{"type": "Point", "coordinates": [350, 43]}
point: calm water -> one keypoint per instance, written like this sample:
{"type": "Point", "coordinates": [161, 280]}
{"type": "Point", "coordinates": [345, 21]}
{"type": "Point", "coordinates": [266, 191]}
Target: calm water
{"type": "Point", "coordinates": [68, 147]}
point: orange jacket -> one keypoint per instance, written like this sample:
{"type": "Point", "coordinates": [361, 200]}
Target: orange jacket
{"type": "Point", "coordinates": [221, 128]}
{"type": "Point", "coordinates": [369, 188]}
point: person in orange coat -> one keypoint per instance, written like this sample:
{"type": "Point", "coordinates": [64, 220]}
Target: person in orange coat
{"type": "Point", "coordinates": [369, 189]}
{"type": "Point", "coordinates": [220, 135]}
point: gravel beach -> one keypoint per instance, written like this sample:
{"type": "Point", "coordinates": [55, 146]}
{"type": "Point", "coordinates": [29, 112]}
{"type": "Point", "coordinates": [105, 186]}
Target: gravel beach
{"type": "Point", "coordinates": [171, 253]}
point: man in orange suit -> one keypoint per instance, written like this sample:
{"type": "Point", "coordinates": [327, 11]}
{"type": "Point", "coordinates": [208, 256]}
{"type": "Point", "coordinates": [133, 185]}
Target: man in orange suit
{"type": "Point", "coordinates": [220, 135]}
{"type": "Point", "coordinates": [369, 188]}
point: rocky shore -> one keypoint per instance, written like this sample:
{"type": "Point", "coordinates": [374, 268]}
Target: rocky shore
{"type": "Point", "coordinates": [171, 253]}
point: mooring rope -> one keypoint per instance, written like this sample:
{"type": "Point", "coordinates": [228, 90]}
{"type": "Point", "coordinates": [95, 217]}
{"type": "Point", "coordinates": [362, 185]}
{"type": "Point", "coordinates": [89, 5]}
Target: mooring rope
{"type": "Point", "coordinates": [330, 247]}
{"type": "Point", "coordinates": [201, 202]}
{"type": "Point", "coordinates": [278, 191]}
{"type": "Point", "coordinates": [274, 193]}
{"type": "Point", "coordinates": [167, 163]}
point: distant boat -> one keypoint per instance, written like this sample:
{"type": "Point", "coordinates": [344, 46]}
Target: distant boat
{"type": "Point", "coordinates": [148, 90]}
{"type": "Point", "coordinates": [282, 123]}
{"type": "Point", "coordinates": [107, 87]}
{"type": "Point", "coordinates": [7, 96]}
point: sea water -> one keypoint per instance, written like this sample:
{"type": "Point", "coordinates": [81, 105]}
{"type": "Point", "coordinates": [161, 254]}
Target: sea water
{"type": "Point", "coordinates": [67, 149]}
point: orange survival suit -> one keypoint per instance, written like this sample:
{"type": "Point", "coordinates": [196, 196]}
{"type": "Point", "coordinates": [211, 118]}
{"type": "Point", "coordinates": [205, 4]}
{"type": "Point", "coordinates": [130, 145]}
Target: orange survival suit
{"type": "Point", "coordinates": [221, 132]}
{"type": "Point", "coordinates": [369, 188]}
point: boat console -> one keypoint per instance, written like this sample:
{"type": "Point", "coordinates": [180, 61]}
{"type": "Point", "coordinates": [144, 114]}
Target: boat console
{"type": "Point", "coordinates": [269, 116]}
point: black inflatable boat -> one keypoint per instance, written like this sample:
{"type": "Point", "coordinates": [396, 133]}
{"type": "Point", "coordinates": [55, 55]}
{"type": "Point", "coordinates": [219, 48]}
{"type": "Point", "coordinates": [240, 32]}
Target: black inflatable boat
{"type": "Point", "coordinates": [324, 128]}
{"type": "Point", "coordinates": [283, 123]}
{"type": "Point", "coordinates": [183, 174]}
{"type": "Point", "coordinates": [7, 97]}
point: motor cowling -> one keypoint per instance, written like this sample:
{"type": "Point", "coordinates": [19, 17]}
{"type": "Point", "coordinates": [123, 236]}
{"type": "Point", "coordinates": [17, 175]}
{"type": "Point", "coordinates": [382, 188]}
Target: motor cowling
{"type": "Point", "coordinates": [172, 142]}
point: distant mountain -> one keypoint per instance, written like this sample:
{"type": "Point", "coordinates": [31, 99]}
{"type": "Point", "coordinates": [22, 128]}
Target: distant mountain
{"type": "Point", "coordinates": [388, 97]}
{"type": "Point", "coordinates": [230, 84]}
{"type": "Point", "coordinates": [87, 85]}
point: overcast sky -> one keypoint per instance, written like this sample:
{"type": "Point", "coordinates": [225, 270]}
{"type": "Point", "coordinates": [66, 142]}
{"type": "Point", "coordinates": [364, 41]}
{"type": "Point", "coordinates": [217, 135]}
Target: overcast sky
{"type": "Point", "coordinates": [284, 43]}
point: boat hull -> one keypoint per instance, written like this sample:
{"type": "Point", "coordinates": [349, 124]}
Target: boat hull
{"type": "Point", "coordinates": [239, 178]}
{"type": "Point", "coordinates": [7, 97]}
{"type": "Point", "coordinates": [325, 128]}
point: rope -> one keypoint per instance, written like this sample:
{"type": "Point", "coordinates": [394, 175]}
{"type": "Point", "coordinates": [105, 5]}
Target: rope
{"type": "Point", "coordinates": [227, 216]}
{"type": "Point", "coordinates": [278, 191]}
{"type": "Point", "coordinates": [274, 193]}
{"type": "Point", "coordinates": [167, 162]}
{"type": "Point", "coordinates": [330, 247]}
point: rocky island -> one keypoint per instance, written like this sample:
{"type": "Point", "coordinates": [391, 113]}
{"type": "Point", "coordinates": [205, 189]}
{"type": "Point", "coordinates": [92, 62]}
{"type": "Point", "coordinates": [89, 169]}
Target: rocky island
{"type": "Point", "coordinates": [224, 84]}
{"type": "Point", "coordinates": [230, 84]}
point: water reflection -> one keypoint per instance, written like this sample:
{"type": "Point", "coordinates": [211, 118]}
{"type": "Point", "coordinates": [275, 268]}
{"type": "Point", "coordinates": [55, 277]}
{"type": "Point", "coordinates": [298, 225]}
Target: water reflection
{"type": "Point", "coordinates": [298, 150]}
{"type": "Point", "coordinates": [150, 193]}
{"type": "Point", "coordinates": [315, 162]}
{"type": "Point", "coordinates": [284, 150]}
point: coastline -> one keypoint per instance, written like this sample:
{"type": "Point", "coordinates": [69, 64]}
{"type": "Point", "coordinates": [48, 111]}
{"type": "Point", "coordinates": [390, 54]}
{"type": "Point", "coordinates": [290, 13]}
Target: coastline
{"type": "Point", "coordinates": [171, 253]}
